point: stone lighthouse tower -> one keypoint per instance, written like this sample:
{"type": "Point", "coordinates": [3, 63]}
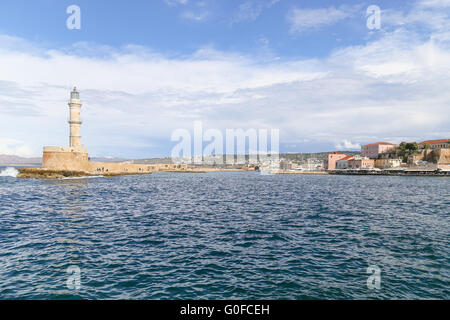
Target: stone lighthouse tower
{"type": "Point", "coordinates": [75, 157]}
{"type": "Point", "coordinates": [75, 119]}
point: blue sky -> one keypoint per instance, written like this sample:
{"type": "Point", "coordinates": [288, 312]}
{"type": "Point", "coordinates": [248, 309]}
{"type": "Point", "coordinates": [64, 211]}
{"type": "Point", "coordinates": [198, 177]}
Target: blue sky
{"type": "Point", "coordinates": [181, 27]}
{"type": "Point", "coordinates": [145, 68]}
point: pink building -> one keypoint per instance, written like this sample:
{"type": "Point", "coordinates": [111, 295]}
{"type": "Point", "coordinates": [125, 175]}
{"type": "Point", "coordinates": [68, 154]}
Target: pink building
{"type": "Point", "coordinates": [374, 149]}
{"type": "Point", "coordinates": [330, 163]}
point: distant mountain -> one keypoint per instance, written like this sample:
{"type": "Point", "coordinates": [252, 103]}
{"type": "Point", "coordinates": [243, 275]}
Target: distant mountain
{"type": "Point", "coordinates": [7, 160]}
{"type": "Point", "coordinates": [107, 159]}
{"type": "Point", "coordinates": [166, 160]}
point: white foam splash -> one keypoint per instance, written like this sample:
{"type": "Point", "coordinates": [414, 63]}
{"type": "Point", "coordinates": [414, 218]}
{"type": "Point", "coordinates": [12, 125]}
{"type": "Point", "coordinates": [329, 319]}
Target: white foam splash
{"type": "Point", "coordinates": [9, 172]}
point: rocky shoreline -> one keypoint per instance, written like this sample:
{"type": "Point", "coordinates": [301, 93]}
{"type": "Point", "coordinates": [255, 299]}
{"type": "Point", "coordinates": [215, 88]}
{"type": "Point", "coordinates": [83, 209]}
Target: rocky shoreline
{"type": "Point", "coordinates": [38, 173]}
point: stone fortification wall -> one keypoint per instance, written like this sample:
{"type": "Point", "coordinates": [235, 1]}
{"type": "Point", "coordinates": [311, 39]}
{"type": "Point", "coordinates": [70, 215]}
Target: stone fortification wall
{"type": "Point", "coordinates": [64, 158]}
{"type": "Point", "coordinates": [125, 167]}
{"type": "Point", "coordinates": [76, 159]}
{"type": "Point", "coordinates": [438, 156]}
{"type": "Point", "coordinates": [444, 156]}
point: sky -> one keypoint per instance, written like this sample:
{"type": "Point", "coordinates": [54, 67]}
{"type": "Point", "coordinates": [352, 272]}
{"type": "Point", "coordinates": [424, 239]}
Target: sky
{"type": "Point", "coordinates": [312, 69]}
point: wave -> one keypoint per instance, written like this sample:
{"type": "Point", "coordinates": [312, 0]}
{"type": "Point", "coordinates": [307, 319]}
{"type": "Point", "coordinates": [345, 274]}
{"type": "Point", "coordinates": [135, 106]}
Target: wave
{"type": "Point", "coordinates": [9, 172]}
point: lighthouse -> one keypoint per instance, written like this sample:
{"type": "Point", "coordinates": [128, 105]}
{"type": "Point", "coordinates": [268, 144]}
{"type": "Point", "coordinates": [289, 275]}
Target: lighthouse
{"type": "Point", "coordinates": [75, 119]}
{"type": "Point", "coordinates": [74, 157]}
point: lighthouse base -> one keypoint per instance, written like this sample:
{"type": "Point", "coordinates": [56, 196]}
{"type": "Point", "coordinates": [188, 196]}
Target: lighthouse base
{"type": "Point", "coordinates": [65, 158]}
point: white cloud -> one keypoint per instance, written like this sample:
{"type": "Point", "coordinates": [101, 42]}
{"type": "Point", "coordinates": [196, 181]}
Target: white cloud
{"type": "Point", "coordinates": [250, 10]}
{"type": "Point", "coordinates": [347, 145]}
{"type": "Point", "coordinates": [395, 86]}
{"type": "Point", "coordinates": [15, 147]}
{"type": "Point", "coordinates": [196, 11]}
{"type": "Point", "coordinates": [428, 16]}
{"type": "Point", "coordinates": [435, 3]}
{"type": "Point", "coordinates": [195, 16]}
{"type": "Point", "coordinates": [306, 19]}
{"type": "Point", "coordinates": [172, 3]}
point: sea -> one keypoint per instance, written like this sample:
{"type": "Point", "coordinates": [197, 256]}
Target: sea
{"type": "Point", "coordinates": [225, 235]}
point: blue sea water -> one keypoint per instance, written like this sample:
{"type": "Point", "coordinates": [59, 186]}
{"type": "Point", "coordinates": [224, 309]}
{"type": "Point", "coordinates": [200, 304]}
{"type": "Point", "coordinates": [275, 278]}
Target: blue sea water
{"type": "Point", "coordinates": [230, 235]}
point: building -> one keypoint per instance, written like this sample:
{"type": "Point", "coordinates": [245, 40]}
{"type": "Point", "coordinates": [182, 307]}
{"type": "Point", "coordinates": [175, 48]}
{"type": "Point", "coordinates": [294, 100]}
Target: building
{"type": "Point", "coordinates": [373, 150]}
{"type": "Point", "coordinates": [75, 156]}
{"type": "Point", "coordinates": [311, 165]}
{"type": "Point", "coordinates": [388, 163]}
{"type": "Point", "coordinates": [286, 165]}
{"type": "Point", "coordinates": [343, 163]}
{"type": "Point", "coordinates": [358, 163]}
{"type": "Point", "coordinates": [330, 162]}
{"type": "Point", "coordinates": [435, 144]}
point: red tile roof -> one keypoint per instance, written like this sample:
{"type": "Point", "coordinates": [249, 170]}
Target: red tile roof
{"type": "Point", "coordinates": [435, 141]}
{"type": "Point", "coordinates": [347, 158]}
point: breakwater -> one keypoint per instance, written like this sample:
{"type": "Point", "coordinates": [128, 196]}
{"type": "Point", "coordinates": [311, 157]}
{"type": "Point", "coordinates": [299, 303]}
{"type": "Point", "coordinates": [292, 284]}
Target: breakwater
{"type": "Point", "coordinates": [417, 173]}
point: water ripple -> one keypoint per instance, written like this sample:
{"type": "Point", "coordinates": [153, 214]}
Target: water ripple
{"type": "Point", "coordinates": [225, 236]}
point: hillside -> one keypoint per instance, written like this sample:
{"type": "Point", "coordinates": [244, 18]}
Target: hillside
{"type": "Point", "coordinates": [7, 160]}
{"type": "Point", "coordinates": [294, 157]}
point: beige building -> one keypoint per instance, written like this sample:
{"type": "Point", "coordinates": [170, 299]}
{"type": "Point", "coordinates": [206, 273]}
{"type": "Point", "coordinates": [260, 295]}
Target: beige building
{"type": "Point", "coordinates": [358, 163]}
{"type": "Point", "coordinates": [75, 156]}
{"type": "Point", "coordinates": [286, 165]}
{"type": "Point", "coordinates": [388, 163]}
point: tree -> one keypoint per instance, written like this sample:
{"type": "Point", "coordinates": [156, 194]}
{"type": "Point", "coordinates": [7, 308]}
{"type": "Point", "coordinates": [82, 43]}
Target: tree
{"type": "Point", "coordinates": [406, 149]}
{"type": "Point", "coordinates": [411, 146]}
